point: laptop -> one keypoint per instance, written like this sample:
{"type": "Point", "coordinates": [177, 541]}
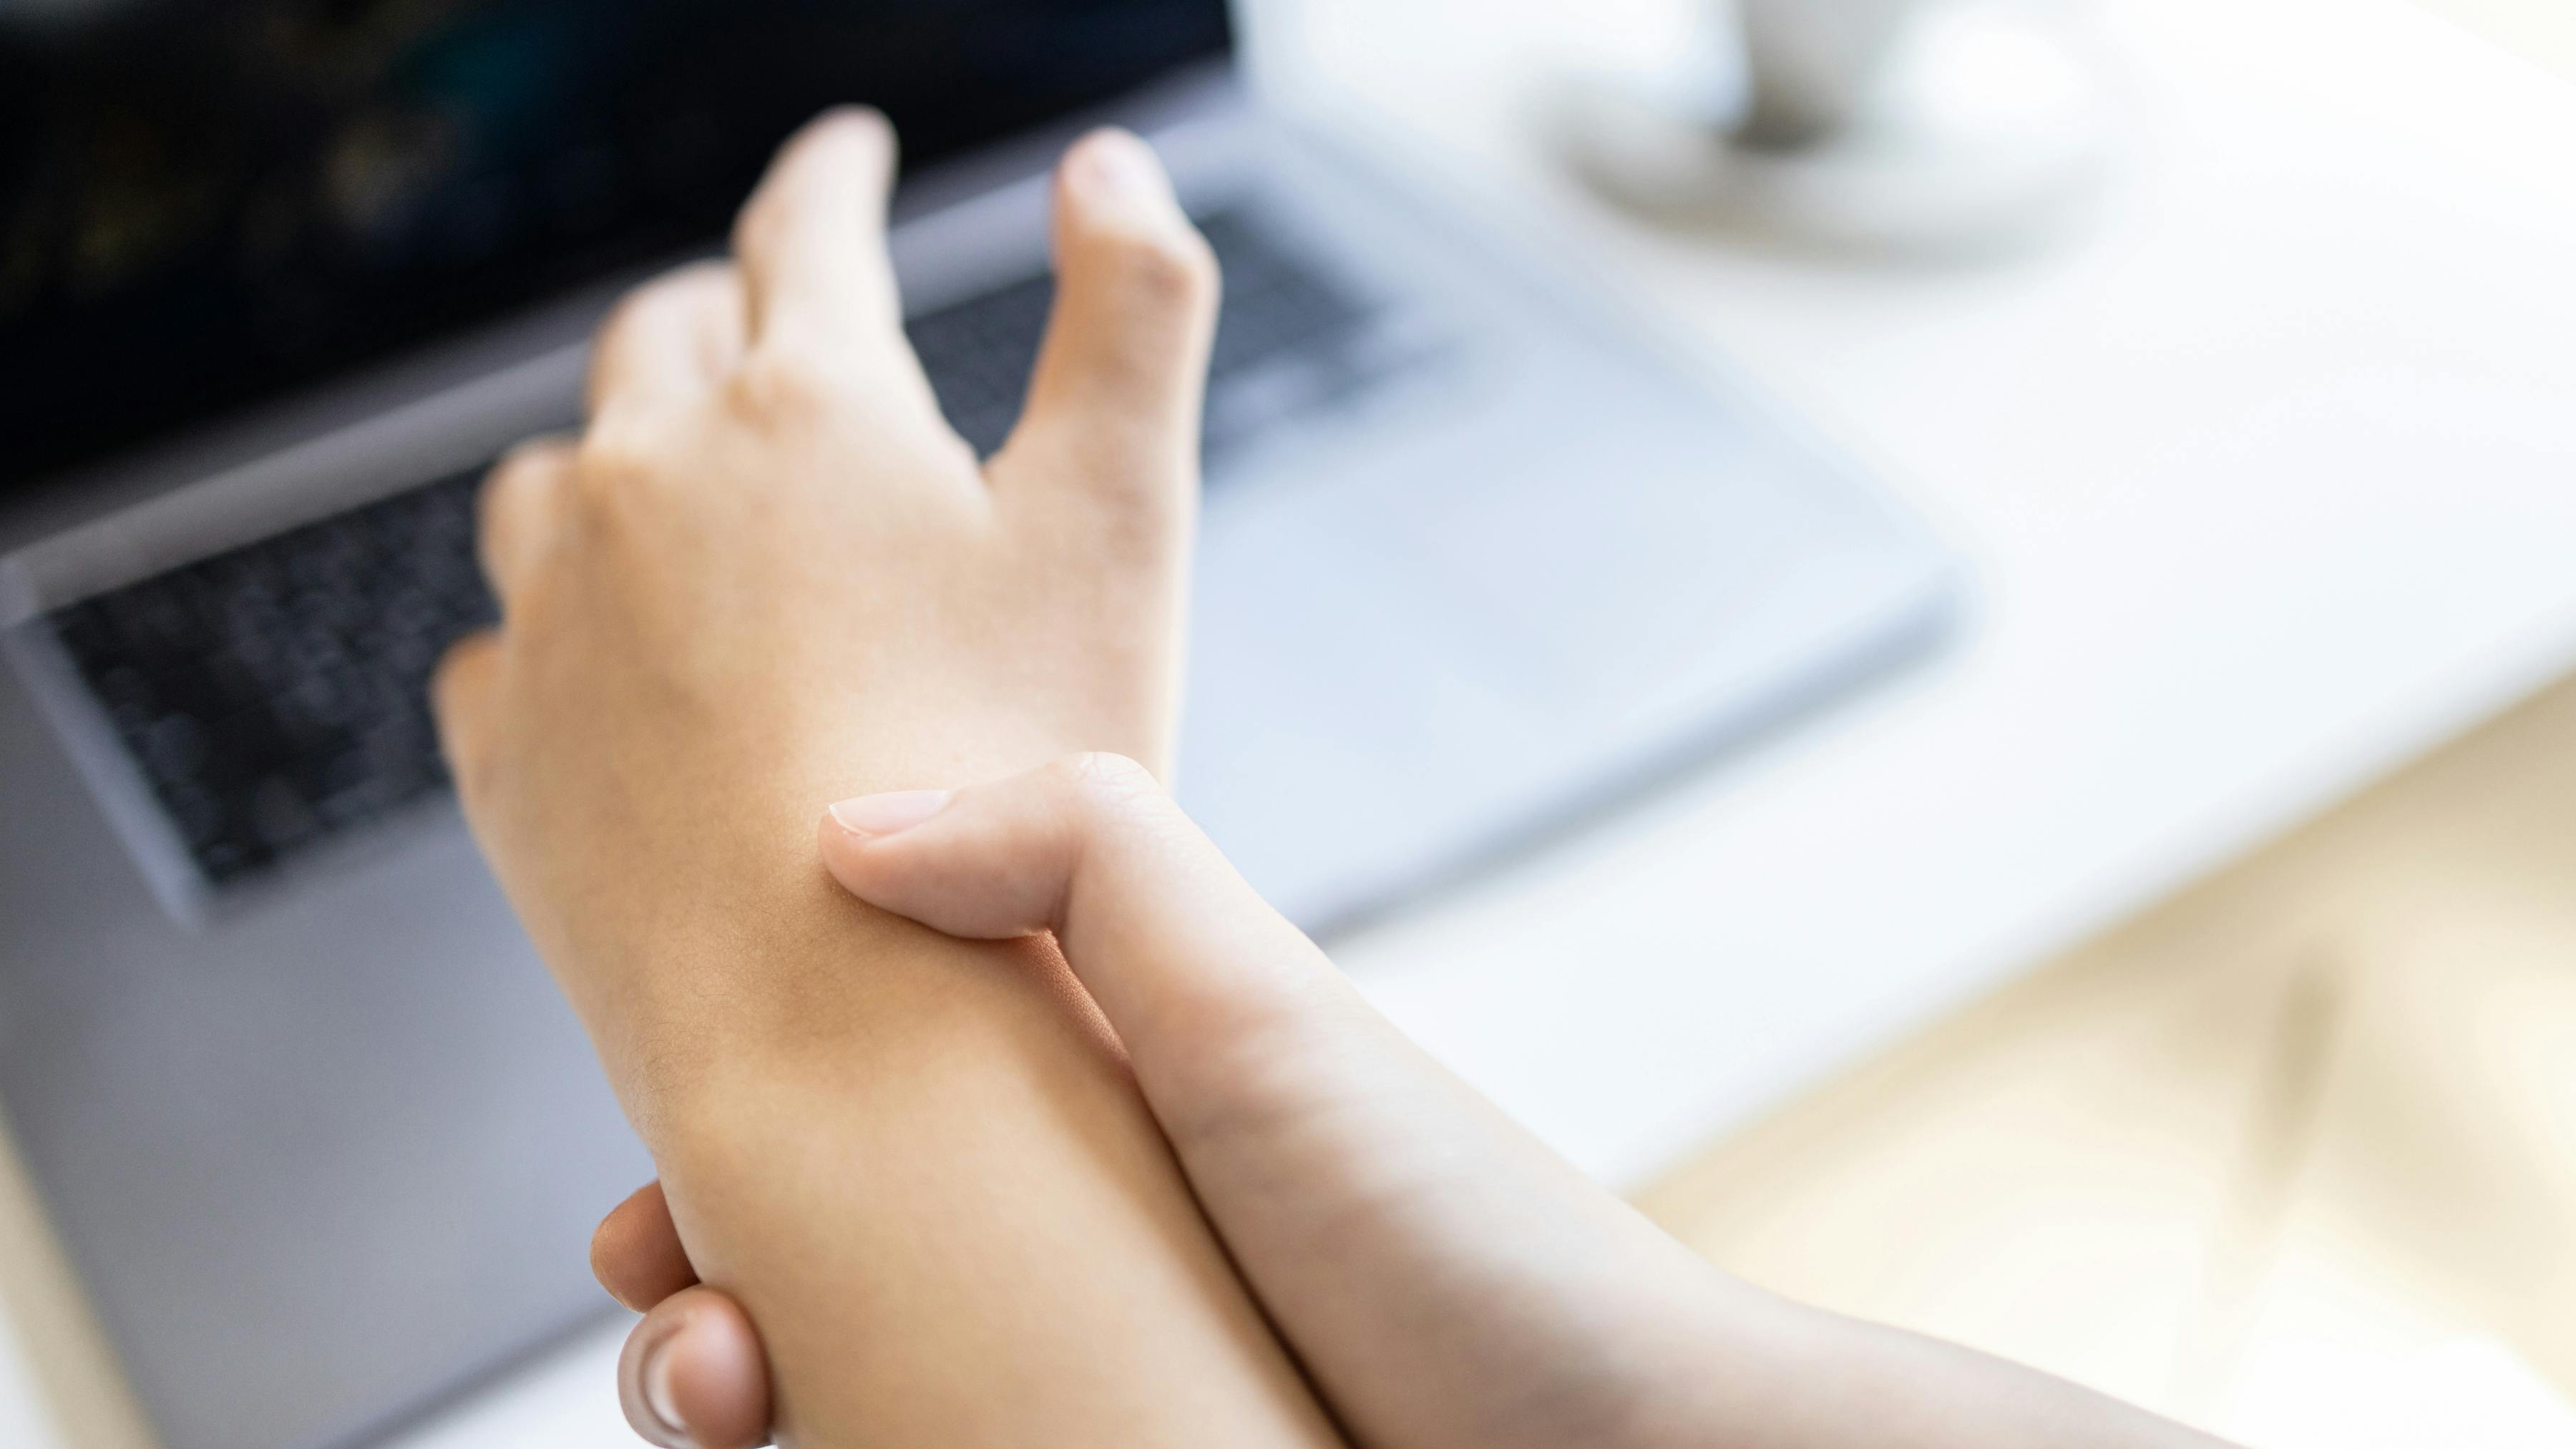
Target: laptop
{"type": "Point", "coordinates": [279, 280]}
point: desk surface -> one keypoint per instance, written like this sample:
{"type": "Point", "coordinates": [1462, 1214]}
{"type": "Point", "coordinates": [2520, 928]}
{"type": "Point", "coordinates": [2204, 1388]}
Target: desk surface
{"type": "Point", "coordinates": [2268, 483]}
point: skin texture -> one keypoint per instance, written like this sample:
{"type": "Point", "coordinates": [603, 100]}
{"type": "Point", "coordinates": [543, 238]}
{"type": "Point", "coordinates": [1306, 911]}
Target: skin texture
{"type": "Point", "coordinates": [768, 576]}
{"type": "Point", "coordinates": [1447, 1281]}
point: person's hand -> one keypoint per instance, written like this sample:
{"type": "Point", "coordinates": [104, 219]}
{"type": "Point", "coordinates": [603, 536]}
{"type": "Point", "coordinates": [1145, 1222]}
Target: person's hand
{"type": "Point", "coordinates": [1444, 1278]}
{"type": "Point", "coordinates": [767, 576]}
{"type": "Point", "coordinates": [691, 1376]}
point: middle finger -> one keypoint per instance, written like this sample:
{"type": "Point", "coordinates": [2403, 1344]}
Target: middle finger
{"type": "Point", "coordinates": [812, 240]}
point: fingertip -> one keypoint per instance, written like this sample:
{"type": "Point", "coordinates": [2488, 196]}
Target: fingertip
{"type": "Point", "coordinates": [981, 863]}
{"type": "Point", "coordinates": [865, 133]}
{"type": "Point", "coordinates": [1114, 404]}
{"type": "Point", "coordinates": [606, 1263]}
{"type": "Point", "coordinates": [1115, 199]}
{"type": "Point", "coordinates": [636, 1253]}
{"type": "Point", "coordinates": [716, 1379]}
{"type": "Point", "coordinates": [810, 241]}
{"type": "Point", "coordinates": [658, 1381]}
{"type": "Point", "coordinates": [814, 162]}
{"type": "Point", "coordinates": [865, 127]}
{"type": "Point", "coordinates": [864, 118]}
{"type": "Point", "coordinates": [841, 850]}
{"type": "Point", "coordinates": [873, 817]}
{"type": "Point", "coordinates": [699, 1379]}
{"type": "Point", "coordinates": [1116, 165]}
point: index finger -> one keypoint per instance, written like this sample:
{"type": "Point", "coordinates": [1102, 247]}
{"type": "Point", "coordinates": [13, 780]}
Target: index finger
{"type": "Point", "coordinates": [811, 241]}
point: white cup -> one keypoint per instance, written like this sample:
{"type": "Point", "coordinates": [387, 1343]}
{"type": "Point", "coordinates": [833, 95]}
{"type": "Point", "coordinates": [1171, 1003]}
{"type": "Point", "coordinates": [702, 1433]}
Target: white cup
{"type": "Point", "coordinates": [1811, 63]}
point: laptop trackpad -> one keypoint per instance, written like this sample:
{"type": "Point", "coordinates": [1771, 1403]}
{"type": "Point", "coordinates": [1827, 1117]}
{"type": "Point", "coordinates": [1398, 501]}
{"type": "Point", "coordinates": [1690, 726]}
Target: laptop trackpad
{"type": "Point", "coordinates": [1407, 664]}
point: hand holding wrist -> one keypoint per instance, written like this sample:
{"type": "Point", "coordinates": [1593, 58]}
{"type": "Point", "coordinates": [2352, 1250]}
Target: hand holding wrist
{"type": "Point", "coordinates": [767, 575]}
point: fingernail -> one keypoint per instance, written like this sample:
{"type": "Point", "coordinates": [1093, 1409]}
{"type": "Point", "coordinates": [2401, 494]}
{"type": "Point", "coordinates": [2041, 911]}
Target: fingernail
{"type": "Point", "coordinates": [1119, 163]}
{"type": "Point", "coordinates": [661, 1396]}
{"type": "Point", "coordinates": [889, 814]}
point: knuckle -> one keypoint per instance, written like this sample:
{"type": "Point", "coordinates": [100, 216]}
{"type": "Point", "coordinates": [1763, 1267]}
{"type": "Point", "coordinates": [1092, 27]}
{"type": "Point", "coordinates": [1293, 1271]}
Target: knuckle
{"type": "Point", "coordinates": [779, 386]}
{"type": "Point", "coordinates": [594, 495]}
{"type": "Point", "coordinates": [1105, 785]}
{"type": "Point", "coordinates": [616, 456]}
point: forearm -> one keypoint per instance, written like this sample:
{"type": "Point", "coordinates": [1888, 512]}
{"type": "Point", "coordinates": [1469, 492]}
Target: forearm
{"type": "Point", "coordinates": [931, 1179]}
{"type": "Point", "coordinates": [1845, 1384]}
{"type": "Point", "coordinates": [1616, 1334]}
{"type": "Point", "coordinates": [1538, 1309]}
{"type": "Point", "coordinates": [1445, 1278]}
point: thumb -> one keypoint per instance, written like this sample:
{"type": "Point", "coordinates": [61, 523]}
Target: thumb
{"type": "Point", "coordinates": [1363, 1191]}
{"type": "Point", "coordinates": [1180, 953]}
{"type": "Point", "coordinates": [1123, 370]}
{"type": "Point", "coordinates": [692, 1376]}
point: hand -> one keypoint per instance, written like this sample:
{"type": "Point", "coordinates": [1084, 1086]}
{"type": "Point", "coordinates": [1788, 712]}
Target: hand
{"type": "Point", "coordinates": [1444, 1278]}
{"type": "Point", "coordinates": [768, 576]}
{"type": "Point", "coordinates": [691, 1376]}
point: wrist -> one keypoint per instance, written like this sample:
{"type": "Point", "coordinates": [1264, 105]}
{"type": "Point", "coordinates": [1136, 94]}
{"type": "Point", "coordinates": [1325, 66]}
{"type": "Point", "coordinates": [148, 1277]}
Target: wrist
{"type": "Point", "coordinates": [832, 1012]}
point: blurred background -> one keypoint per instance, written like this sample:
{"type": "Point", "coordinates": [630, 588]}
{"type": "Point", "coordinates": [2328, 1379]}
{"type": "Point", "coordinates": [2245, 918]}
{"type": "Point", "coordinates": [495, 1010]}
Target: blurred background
{"type": "Point", "coordinates": [2147, 952]}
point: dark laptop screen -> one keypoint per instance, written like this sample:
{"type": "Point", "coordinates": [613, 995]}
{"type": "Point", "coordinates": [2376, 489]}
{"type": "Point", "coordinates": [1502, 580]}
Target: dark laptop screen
{"type": "Point", "coordinates": [204, 202]}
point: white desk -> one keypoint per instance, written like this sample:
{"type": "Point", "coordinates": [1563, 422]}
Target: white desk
{"type": "Point", "coordinates": [2268, 484]}
{"type": "Point", "coordinates": [2266, 487]}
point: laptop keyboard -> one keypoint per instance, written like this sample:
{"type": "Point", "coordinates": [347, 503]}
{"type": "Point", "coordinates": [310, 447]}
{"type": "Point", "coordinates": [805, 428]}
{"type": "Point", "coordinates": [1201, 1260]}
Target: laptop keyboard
{"type": "Point", "coordinates": [275, 697]}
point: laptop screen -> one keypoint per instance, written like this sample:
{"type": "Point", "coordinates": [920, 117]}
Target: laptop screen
{"type": "Point", "coordinates": [206, 202]}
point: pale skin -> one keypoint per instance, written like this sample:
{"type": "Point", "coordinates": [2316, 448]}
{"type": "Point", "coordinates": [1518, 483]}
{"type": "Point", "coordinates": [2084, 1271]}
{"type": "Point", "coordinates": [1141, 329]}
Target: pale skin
{"type": "Point", "coordinates": [767, 576]}
{"type": "Point", "coordinates": [1447, 1281]}
{"type": "Point", "coordinates": [1018, 1117]}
